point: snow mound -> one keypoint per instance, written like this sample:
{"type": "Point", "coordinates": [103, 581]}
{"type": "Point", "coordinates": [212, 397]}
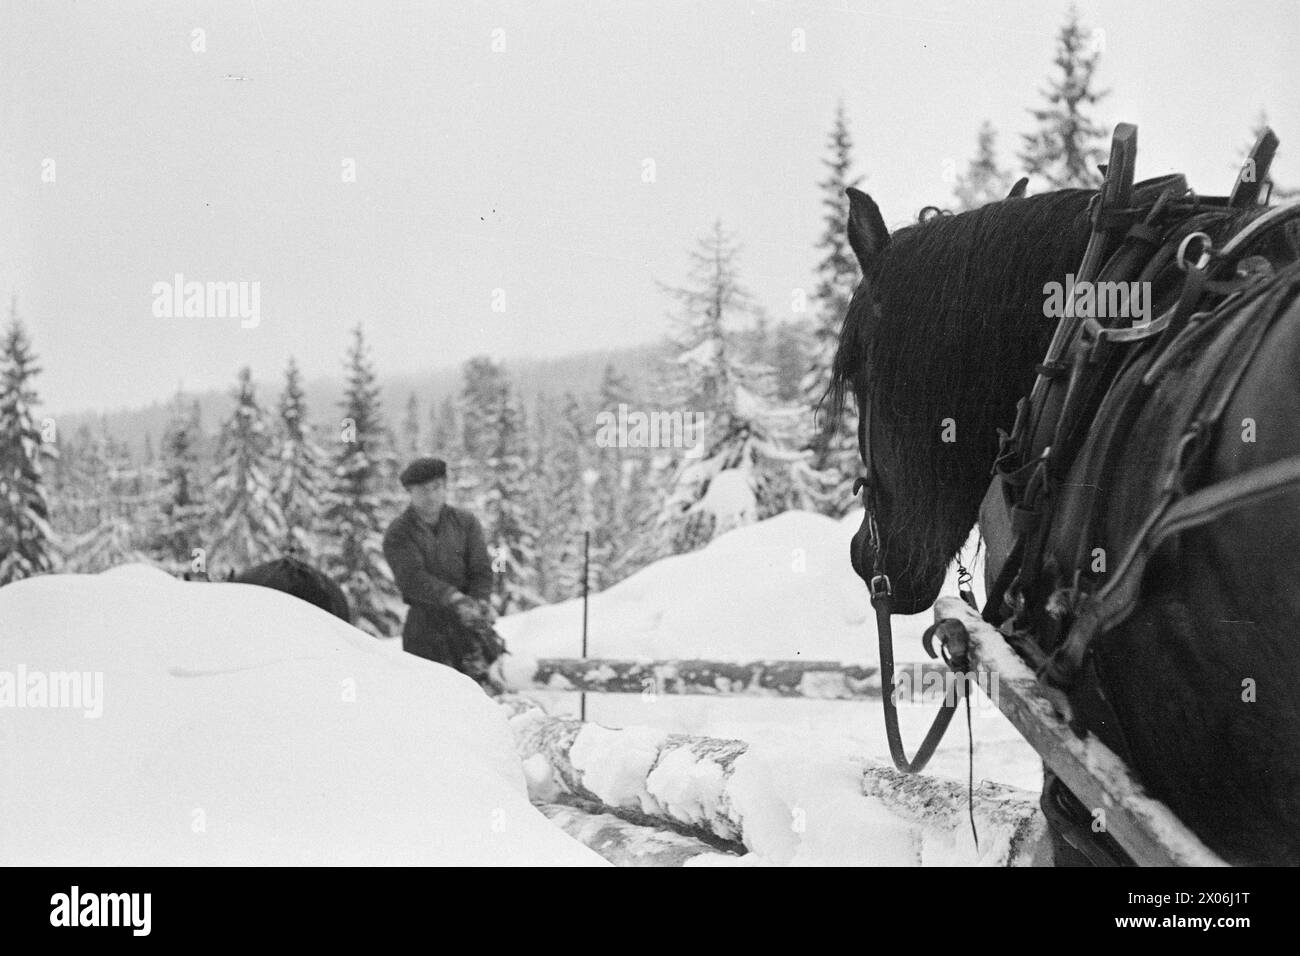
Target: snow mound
{"type": "Point", "coordinates": [730, 499]}
{"type": "Point", "coordinates": [779, 589]}
{"type": "Point", "coordinates": [240, 725]}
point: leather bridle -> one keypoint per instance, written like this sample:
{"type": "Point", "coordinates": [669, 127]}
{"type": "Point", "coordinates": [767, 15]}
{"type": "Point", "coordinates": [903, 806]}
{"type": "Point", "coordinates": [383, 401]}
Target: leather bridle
{"type": "Point", "coordinates": [882, 599]}
{"type": "Point", "coordinates": [865, 484]}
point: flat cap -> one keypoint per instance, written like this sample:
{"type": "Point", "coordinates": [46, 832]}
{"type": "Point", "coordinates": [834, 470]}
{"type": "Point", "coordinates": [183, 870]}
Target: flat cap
{"type": "Point", "coordinates": [422, 470]}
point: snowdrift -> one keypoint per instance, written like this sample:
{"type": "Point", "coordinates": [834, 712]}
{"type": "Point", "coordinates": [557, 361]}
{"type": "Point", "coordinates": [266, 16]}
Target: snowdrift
{"type": "Point", "coordinates": [779, 589]}
{"type": "Point", "coordinates": [239, 725]}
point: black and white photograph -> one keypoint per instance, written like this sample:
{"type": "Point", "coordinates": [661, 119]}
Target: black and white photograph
{"type": "Point", "coordinates": [853, 433]}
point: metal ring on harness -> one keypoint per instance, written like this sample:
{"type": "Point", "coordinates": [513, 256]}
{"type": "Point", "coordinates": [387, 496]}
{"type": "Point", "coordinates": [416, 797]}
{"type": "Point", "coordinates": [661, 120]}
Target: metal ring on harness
{"type": "Point", "coordinates": [1206, 252]}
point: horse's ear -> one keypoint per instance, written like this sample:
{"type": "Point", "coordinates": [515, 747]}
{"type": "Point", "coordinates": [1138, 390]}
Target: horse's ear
{"type": "Point", "coordinates": [867, 233]}
{"type": "Point", "coordinates": [1018, 190]}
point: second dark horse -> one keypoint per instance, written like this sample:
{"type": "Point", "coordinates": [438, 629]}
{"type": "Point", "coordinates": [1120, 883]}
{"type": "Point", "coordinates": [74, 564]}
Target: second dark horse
{"type": "Point", "coordinates": [295, 576]}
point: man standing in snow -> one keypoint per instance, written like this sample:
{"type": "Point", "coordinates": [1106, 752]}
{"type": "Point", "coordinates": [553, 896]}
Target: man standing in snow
{"type": "Point", "coordinates": [441, 565]}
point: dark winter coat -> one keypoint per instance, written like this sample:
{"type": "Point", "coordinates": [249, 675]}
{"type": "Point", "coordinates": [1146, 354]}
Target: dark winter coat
{"type": "Point", "coordinates": [432, 564]}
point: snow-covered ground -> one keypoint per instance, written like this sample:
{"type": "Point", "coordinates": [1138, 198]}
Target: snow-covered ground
{"type": "Point", "coordinates": [779, 589]}
{"type": "Point", "coordinates": [239, 725]}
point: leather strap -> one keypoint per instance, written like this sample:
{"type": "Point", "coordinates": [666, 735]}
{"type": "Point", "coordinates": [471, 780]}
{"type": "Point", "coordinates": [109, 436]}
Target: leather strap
{"type": "Point", "coordinates": [938, 728]}
{"type": "Point", "coordinates": [1112, 605]}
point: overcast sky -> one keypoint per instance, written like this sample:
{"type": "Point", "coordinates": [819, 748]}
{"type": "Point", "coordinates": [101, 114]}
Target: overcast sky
{"type": "Point", "coordinates": [519, 169]}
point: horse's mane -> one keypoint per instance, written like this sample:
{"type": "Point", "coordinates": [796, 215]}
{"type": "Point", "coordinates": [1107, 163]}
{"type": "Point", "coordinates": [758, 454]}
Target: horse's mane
{"type": "Point", "coordinates": [946, 294]}
{"type": "Point", "coordinates": [948, 323]}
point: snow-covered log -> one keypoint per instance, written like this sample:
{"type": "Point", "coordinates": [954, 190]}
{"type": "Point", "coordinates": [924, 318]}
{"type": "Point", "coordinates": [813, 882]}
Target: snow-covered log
{"type": "Point", "coordinates": [820, 680]}
{"type": "Point", "coordinates": [648, 775]}
{"type": "Point", "coordinates": [1008, 820]}
{"type": "Point", "coordinates": [823, 680]}
{"type": "Point", "coordinates": [624, 843]}
{"type": "Point", "coordinates": [704, 788]}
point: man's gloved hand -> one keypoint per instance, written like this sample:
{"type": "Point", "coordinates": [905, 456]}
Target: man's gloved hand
{"type": "Point", "coordinates": [467, 609]}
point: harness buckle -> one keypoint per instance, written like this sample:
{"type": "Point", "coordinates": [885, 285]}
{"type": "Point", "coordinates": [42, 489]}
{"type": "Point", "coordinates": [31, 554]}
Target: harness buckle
{"type": "Point", "coordinates": [880, 587]}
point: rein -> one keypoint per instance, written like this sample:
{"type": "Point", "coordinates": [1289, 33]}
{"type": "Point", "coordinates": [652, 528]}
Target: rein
{"type": "Point", "coordinates": [881, 588]}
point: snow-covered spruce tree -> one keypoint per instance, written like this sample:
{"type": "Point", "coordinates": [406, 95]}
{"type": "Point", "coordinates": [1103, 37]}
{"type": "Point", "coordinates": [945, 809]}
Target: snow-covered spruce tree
{"type": "Point", "coordinates": [1067, 146]}
{"type": "Point", "coordinates": [494, 430]}
{"type": "Point", "coordinates": [444, 431]}
{"type": "Point", "coordinates": [301, 469]}
{"type": "Point", "coordinates": [130, 482]}
{"type": "Point", "coordinates": [116, 492]}
{"type": "Point", "coordinates": [635, 545]}
{"type": "Point", "coordinates": [27, 542]}
{"type": "Point", "coordinates": [558, 495]}
{"type": "Point", "coordinates": [79, 478]}
{"type": "Point", "coordinates": [178, 531]}
{"type": "Point", "coordinates": [393, 499]}
{"type": "Point", "coordinates": [148, 508]}
{"type": "Point", "coordinates": [737, 468]}
{"type": "Point", "coordinates": [834, 463]}
{"type": "Point", "coordinates": [113, 542]}
{"type": "Point", "coordinates": [411, 446]}
{"type": "Point", "coordinates": [352, 531]}
{"type": "Point", "coordinates": [790, 359]}
{"type": "Point", "coordinates": [614, 521]}
{"type": "Point", "coordinates": [542, 465]}
{"type": "Point", "coordinates": [478, 410]}
{"type": "Point", "coordinates": [248, 526]}
{"type": "Point", "coordinates": [984, 181]}
{"type": "Point", "coordinates": [573, 500]}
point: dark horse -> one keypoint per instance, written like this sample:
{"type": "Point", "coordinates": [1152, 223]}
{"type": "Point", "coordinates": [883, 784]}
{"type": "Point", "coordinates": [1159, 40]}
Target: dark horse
{"type": "Point", "coordinates": [948, 324]}
{"type": "Point", "coordinates": [294, 576]}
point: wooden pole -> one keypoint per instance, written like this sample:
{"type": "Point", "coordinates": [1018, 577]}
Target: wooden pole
{"type": "Point", "coordinates": [586, 556]}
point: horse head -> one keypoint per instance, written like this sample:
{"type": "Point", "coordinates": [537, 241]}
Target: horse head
{"type": "Point", "coordinates": [939, 341]}
{"type": "Point", "coordinates": [893, 548]}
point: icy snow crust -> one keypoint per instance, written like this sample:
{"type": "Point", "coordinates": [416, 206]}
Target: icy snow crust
{"type": "Point", "coordinates": [241, 725]}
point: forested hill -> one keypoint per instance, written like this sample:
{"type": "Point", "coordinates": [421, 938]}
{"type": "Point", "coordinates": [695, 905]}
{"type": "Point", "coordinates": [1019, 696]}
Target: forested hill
{"type": "Point", "coordinates": [579, 373]}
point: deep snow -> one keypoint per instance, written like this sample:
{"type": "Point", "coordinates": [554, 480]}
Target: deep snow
{"type": "Point", "coordinates": [241, 725]}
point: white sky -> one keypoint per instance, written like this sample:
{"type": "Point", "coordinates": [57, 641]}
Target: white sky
{"type": "Point", "coordinates": [519, 170]}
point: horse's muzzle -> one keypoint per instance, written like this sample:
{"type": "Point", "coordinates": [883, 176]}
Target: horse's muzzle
{"type": "Point", "coordinates": [861, 554]}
